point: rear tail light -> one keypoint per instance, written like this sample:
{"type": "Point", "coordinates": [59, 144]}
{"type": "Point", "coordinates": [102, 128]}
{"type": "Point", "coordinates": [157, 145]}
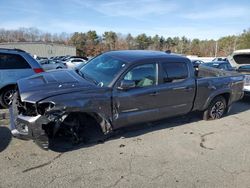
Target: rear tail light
{"type": "Point", "coordinates": [38, 70]}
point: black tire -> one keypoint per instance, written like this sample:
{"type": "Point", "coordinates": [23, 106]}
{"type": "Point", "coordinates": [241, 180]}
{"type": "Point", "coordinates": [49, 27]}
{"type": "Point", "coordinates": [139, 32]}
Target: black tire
{"type": "Point", "coordinates": [59, 68]}
{"type": "Point", "coordinates": [6, 96]}
{"type": "Point", "coordinates": [216, 109]}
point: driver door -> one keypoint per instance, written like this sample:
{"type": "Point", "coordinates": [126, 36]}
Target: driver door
{"type": "Point", "coordinates": [138, 104]}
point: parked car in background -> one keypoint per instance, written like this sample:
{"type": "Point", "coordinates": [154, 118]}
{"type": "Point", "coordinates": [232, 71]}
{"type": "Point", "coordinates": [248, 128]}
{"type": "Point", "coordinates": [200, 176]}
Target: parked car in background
{"type": "Point", "coordinates": [73, 62]}
{"type": "Point", "coordinates": [52, 64]}
{"type": "Point", "coordinates": [240, 59]}
{"type": "Point", "coordinates": [196, 62]}
{"type": "Point", "coordinates": [117, 89]}
{"type": "Point", "coordinates": [14, 65]}
{"type": "Point", "coordinates": [65, 58]}
{"type": "Point", "coordinates": [78, 67]}
{"type": "Point", "coordinates": [223, 65]}
{"type": "Point", "coordinates": [71, 57]}
{"type": "Point", "coordinates": [220, 59]}
{"type": "Point", "coordinates": [38, 58]}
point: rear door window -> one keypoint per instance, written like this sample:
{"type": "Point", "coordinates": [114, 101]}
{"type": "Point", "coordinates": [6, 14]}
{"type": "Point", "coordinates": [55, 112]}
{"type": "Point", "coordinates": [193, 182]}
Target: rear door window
{"type": "Point", "coordinates": [174, 72]}
{"type": "Point", "coordinates": [13, 61]}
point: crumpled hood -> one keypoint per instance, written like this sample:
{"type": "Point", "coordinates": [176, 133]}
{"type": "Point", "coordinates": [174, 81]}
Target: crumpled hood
{"type": "Point", "coordinates": [52, 83]}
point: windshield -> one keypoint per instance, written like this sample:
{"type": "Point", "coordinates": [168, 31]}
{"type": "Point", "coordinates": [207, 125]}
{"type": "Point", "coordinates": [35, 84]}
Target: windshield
{"type": "Point", "coordinates": [102, 69]}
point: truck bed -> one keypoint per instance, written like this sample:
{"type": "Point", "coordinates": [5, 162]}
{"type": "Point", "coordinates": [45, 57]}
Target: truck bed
{"type": "Point", "coordinates": [211, 82]}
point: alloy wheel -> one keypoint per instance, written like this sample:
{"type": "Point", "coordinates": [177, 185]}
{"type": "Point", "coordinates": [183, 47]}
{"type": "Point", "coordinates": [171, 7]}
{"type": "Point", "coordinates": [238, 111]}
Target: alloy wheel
{"type": "Point", "coordinates": [217, 110]}
{"type": "Point", "coordinates": [8, 96]}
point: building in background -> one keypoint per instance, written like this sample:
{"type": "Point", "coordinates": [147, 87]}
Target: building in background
{"type": "Point", "coordinates": [42, 49]}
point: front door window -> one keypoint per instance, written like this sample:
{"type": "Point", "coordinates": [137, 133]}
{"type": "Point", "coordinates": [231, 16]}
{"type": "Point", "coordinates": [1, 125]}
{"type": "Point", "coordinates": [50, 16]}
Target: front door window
{"type": "Point", "coordinates": [143, 75]}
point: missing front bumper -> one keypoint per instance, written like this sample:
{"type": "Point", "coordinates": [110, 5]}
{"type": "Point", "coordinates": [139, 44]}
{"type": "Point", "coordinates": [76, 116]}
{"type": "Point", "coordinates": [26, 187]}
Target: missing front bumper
{"type": "Point", "coordinates": [27, 127]}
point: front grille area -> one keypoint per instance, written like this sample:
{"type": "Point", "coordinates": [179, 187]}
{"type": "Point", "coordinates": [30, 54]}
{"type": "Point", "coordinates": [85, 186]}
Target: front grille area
{"type": "Point", "coordinates": [24, 108]}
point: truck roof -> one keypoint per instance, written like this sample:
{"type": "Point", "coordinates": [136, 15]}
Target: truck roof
{"type": "Point", "coordinates": [137, 55]}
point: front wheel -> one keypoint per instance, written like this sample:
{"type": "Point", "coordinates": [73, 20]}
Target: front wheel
{"type": "Point", "coordinates": [216, 109]}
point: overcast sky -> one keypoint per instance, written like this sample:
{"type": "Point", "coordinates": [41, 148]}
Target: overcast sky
{"type": "Point", "coordinates": [204, 19]}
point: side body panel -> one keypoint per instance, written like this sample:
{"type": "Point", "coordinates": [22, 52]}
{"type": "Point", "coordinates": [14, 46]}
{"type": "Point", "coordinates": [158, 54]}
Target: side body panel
{"type": "Point", "coordinates": [208, 88]}
{"type": "Point", "coordinates": [155, 102]}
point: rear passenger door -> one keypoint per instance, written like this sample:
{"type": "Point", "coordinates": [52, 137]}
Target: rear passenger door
{"type": "Point", "coordinates": [12, 68]}
{"type": "Point", "coordinates": [176, 89]}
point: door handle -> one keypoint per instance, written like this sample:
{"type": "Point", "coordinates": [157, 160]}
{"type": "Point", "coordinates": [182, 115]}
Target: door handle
{"type": "Point", "coordinates": [155, 93]}
{"type": "Point", "coordinates": [211, 87]}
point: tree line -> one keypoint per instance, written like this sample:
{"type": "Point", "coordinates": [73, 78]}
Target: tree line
{"type": "Point", "coordinates": [90, 43]}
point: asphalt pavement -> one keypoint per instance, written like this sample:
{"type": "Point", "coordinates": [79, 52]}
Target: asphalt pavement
{"type": "Point", "coordinates": [178, 152]}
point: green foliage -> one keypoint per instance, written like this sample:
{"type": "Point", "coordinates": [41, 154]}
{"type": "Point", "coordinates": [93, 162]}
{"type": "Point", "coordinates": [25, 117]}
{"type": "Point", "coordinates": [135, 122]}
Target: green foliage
{"type": "Point", "coordinates": [90, 43]}
{"type": "Point", "coordinates": [244, 40]}
{"type": "Point", "coordinates": [110, 39]}
{"type": "Point", "coordinates": [225, 45]}
{"type": "Point", "coordinates": [142, 41]}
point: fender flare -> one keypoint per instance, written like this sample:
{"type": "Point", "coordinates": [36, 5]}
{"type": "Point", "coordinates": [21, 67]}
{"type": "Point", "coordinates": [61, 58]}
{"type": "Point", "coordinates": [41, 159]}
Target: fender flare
{"type": "Point", "coordinates": [215, 94]}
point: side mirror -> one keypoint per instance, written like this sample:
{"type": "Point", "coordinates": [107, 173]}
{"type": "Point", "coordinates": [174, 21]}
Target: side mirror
{"type": "Point", "coordinates": [126, 84]}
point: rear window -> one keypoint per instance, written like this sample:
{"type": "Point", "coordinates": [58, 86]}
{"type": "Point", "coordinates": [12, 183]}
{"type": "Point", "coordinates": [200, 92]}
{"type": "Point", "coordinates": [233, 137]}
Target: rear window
{"type": "Point", "coordinates": [13, 61]}
{"type": "Point", "coordinates": [174, 71]}
{"type": "Point", "coordinates": [242, 59]}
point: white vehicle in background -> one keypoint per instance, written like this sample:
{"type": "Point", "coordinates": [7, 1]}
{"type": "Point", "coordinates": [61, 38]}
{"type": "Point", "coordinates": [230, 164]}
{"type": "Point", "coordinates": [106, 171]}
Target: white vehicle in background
{"type": "Point", "coordinates": [240, 59]}
{"type": "Point", "coordinates": [48, 64]}
{"type": "Point", "coordinates": [73, 62]}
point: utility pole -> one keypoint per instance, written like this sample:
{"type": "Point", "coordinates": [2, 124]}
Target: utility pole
{"type": "Point", "coordinates": [216, 48]}
{"type": "Point", "coordinates": [235, 41]}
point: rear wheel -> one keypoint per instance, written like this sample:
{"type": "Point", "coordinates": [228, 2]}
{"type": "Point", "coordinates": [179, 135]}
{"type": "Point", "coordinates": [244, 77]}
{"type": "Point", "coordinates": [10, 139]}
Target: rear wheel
{"type": "Point", "coordinates": [216, 109]}
{"type": "Point", "coordinates": [6, 96]}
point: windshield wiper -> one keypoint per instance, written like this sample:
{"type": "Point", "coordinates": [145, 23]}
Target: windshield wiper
{"type": "Point", "coordinates": [86, 77]}
{"type": "Point", "coordinates": [90, 79]}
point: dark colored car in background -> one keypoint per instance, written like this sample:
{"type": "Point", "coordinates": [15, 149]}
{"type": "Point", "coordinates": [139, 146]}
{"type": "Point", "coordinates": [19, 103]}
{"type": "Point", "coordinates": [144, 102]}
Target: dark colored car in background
{"type": "Point", "coordinates": [196, 63]}
{"type": "Point", "coordinates": [118, 89]}
{"type": "Point", "coordinates": [223, 65]}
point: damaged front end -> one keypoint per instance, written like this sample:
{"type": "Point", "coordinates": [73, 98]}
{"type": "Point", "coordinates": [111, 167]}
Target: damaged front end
{"type": "Point", "coordinates": [44, 105]}
{"type": "Point", "coordinates": [34, 121]}
{"type": "Point", "coordinates": [41, 121]}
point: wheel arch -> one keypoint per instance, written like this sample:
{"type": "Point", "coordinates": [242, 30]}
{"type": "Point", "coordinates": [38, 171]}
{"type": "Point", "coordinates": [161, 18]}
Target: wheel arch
{"type": "Point", "coordinates": [7, 86]}
{"type": "Point", "coordinates": [225, 94]}
{"type": "Point", "coordinates": [102, 122]}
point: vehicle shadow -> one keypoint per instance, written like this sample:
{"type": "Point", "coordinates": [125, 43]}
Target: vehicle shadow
{"type": "Point", "coordinates": [63, 144]}
{"type": "Point", "coordinates": [60, 144]}
{"type": "Point", "coordinates": [241, 106]}
{"type": "Point", "coordinates": [5, 138]}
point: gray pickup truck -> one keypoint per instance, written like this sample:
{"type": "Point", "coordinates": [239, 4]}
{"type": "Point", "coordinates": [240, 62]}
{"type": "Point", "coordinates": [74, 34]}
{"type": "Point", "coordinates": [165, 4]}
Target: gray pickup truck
{"type": "Point", "coordinates": [117, 89]}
